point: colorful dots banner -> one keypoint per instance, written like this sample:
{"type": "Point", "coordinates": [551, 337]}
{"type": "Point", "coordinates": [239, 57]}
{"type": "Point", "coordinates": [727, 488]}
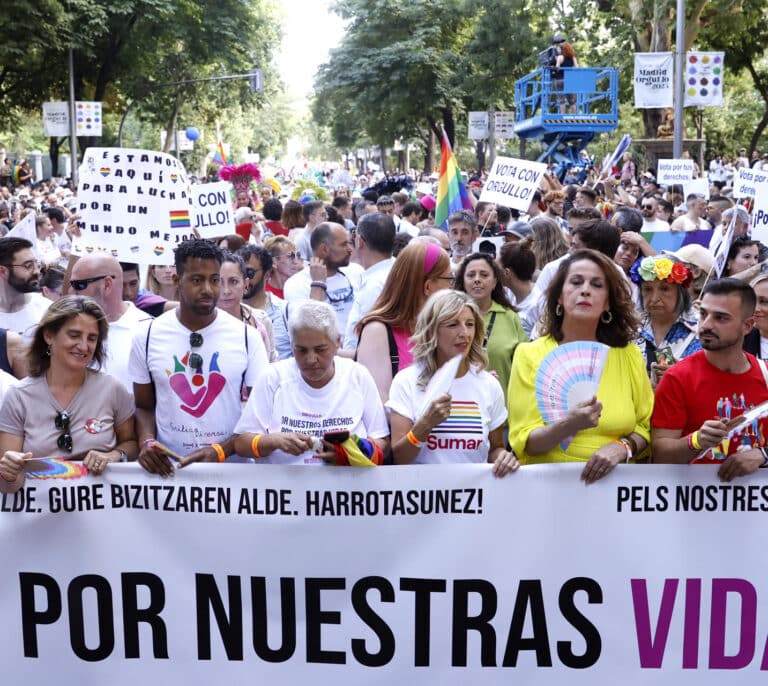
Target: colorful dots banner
{"type": "Point", "coordinates": [704, 79]}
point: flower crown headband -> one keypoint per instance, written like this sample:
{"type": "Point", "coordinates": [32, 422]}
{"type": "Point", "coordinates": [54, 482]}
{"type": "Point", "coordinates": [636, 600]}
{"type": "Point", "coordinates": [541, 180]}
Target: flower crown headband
{"type": "Point", "coordinates": [660, 268]}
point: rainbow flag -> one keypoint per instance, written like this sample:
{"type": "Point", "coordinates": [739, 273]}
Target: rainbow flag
{"type": "Point", "coordinates": [220, 157]}
{"type": "Point", "coordinates": [451, 192]}
{"type": "Point", "coordinates": [179, 219]}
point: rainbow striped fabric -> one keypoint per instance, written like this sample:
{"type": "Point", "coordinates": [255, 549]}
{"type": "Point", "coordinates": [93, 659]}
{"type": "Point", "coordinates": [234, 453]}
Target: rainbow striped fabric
{"type": "Point", "coordinates": [674, 240]}
{"type": "Point", "coordinates": [180, 219]}
{"type": "Point", "coordinates": [465, 418]}
{"type": "Point", "coordinates": [220, 157]}
{"type": "Point", "coordinates": [451, 192]}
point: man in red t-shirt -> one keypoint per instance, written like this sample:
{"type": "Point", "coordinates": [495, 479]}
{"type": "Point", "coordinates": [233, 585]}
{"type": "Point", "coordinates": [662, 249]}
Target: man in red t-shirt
{"type": "Point", "coordinates": [699, 398]}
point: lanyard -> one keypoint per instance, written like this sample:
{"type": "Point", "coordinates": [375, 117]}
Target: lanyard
{"type": "Point", "coordinates": [489, 329]}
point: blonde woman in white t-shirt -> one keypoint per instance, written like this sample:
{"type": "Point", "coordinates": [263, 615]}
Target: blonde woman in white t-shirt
{"type": "Point", "coordinates": [467, 423]}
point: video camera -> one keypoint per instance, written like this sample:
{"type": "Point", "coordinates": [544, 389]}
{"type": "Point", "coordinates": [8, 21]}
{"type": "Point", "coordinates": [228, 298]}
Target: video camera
{"type": "Point", "coordinates": [548, 57]}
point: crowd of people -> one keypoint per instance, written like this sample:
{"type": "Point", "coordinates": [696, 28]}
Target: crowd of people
{"type": "Point", "coordinates": [322, 332]}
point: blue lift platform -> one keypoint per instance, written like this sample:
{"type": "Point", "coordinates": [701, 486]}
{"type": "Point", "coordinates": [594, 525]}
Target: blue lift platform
{"type": "Point", "coordinates": [539, 114]}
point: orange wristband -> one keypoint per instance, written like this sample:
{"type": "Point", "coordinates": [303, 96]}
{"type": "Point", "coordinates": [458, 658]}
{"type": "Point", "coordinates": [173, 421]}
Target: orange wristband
{"type": "Point", "coordinates": [219, 452]}
{"type": "Point", "coordinates": [413, 440]}
{"type": "Point", "coordinates": [255, 445]}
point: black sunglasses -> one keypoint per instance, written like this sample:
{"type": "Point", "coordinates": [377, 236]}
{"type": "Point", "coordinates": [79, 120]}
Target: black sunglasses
{"type": "Point", "coordinates": [250, 272]}
{"type": "Point", "coordinates": [195, 341]}
{"type": "Point", "coordinates": [61, 422]}
{"type": "Point", "coordinates": [82, 284]}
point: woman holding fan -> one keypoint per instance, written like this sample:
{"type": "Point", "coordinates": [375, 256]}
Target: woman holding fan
{"type": "Point", "coordinates": [587, 301]}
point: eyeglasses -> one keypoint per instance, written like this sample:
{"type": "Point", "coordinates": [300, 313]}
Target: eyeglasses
{"type": "Point", "coordinates": [250, 272]}
{"type": "Point", "coordinates": [29, 265]}
{"type": "Point", "coordinates": [61, 422]}
{"type": "Point", "coordinates": [289, 255]}
{"type": "Point", "coordinates": [450, 279]}
{"type": "Point", "coordinates": [195, 359]}
{"type": "Point", "coordinates": [82, 284]}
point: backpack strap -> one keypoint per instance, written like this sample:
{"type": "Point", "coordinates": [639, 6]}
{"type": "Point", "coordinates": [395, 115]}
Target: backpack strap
{"type": "Point", "coordinates": [394, 355]}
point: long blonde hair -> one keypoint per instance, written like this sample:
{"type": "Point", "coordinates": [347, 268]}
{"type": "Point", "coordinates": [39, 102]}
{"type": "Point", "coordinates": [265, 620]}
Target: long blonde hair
{"type": "Point", "coordinates": [440, 308]}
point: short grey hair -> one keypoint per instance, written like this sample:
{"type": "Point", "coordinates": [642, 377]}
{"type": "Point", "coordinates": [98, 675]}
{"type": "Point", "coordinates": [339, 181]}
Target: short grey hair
{"type": "Point", "coordinates": [314, 315]}
{"type": "Point", "coordinates": [741, 214]}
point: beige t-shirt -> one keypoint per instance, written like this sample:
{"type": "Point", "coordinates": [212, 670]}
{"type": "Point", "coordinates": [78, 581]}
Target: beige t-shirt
{"type": "Point", "coordinates": [102, 403]}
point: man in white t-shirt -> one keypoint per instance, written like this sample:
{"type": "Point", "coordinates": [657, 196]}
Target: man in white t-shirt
{"type": "Point", "coordinates": [324, 279]}
{"type": "Point", "coordinates": [21, 305]}
{"type": "Point", "coordinates": [375, 241]}
{"type": "Point", "coordinates": [101, 278]}
{"type": "Point", "coordinates": [315, 214]}
{"type": "Point", "coordinates": [189, 366]}
{"type": "Point", "coordinates": [648, 207]}
{"type": "Point", "coordinates": [412, 211]}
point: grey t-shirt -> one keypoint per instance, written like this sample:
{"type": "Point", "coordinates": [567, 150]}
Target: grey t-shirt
{"type": "Point", "coordinates": [102, 403]}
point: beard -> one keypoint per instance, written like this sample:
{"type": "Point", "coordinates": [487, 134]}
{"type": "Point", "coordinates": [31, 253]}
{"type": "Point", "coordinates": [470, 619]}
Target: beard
{"type": "Point", "coordinates": [30, 285]}
{"type": "Point", "coordinates": [254, 289]}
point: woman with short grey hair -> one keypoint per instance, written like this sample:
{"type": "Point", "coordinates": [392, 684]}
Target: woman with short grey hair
{"type": "Point", "coordinates": [300, 407]}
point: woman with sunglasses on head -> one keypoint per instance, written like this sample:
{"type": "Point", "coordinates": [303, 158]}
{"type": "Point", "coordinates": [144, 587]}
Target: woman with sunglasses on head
{"type": "Point", "coordinates": [64, 408]}
{"type": "Point", "coordinates": [384, 333]}
{"type": "Point", "coordinates": [234, 277]}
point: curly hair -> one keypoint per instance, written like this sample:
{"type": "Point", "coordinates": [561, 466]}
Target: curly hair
{"type": "Point", "coordinates": [548, 240]}
{"type": "Point", "coordinates": [624, 323]}
{"type": "Point", "coordinates": [440, 308]}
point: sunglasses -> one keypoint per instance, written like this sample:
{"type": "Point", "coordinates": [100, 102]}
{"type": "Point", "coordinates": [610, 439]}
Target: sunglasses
{"type": "Point", "coordinates": [290, 255]}
{"type": "Point", "coordinates": [250, 272]}
{"type": "Point", "coordinates": [646, 207]}
{"type": "Point", "coordinates": [61, 422]}
{"type": "Point", "coordinates": [82, 284]}
{"type": "Point", "coordinates": [195, 359]}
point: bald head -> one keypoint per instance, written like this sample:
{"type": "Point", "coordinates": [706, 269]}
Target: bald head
{"type": "Point", "coordinates": [102, 279]}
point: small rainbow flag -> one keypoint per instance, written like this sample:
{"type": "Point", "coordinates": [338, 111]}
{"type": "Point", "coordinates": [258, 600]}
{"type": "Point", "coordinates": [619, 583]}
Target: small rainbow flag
{"type": "Point", "coordinates": [451, 192]}
{"type": "Point", "coordinates": [180, 219]}
{"type": "Point", "coordinates": [220, 157]}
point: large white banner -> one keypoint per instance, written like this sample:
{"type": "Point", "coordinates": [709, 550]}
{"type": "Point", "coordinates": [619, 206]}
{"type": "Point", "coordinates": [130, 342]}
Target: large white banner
{"type": "Point", "coordinates": [704, 79]}
{"type": "Point", "coordinates": [654, 86]}
{"type": "Point", "coordinates": [396, 575]}
{"type": "Point", "coordinates": [134, 204]}
{"type": "Point", "coordinates": [512, 182]}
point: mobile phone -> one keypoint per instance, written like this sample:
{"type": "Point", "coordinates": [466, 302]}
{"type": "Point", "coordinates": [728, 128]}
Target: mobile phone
{"type": "Point", "coordinates": [665, 357]}
{"type": "Point", "coordinates": [336, 437]}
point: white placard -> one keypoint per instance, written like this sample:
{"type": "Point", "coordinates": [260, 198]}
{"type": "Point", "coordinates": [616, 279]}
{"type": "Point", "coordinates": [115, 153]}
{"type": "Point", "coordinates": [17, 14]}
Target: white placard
{"type": "Point", "coordinates": [704, 79]}
{"type": "Point", "coordinates": [747, 181]}
{"type": "Point", "coordinates": [504, 125]}
{"type": "Point", "coordinates": [760, 214]}
{"type": "Point", "coordinates": [654, 86]}
{"type": "Point", "coordinates": [477, 123]}
{"type": "Point", "coordinates": [232, 574]}
{"type": "Point", "coordinates": [214, 216]}
{"type": "Point", "coordinates": [56, 119]}
{"type": "Point", "coordinates": [669, 172]}
{"type": "Point", "coordinates": [512, 182]}
{"type": "Point", "coordinates": [700, 186]}
{"type": "Point", "coordinates": [134, 204]}
{"type": "Point", "coordinates": [88, 118]}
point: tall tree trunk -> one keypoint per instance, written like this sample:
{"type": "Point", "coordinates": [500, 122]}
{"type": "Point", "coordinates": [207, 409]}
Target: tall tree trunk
{"type": "Point", "coordinates": [429, 153]}
{"type": "Point", "coordinates": [53, 152]}
{"type": "Point", "coordinates": [170, 131]}
{"type": "Point", "coordinates": [480, 154]}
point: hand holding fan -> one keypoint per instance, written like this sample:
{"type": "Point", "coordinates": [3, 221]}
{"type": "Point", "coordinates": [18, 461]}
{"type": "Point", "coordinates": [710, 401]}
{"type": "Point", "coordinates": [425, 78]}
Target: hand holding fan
{"type": "Point", "coordinates": [570, 374]}
{"type": "Point", "coordinates": [441, 381]}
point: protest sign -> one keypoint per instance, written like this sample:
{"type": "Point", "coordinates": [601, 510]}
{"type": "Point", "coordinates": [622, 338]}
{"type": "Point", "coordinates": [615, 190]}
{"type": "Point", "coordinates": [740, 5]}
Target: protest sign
{"type": "Point", "coordinates": [213, 209]}
{"type": "Point", "coordinates": [704, 79]}
{"type": "Point", "coordinates": [746, 182]}
{"type": "Point", "coordinates": [669, 172]}
{"type": "Point", "coordinates": [394, 575]}
{"type": "Point", "coordinates": [135, 205]}
{"type": "Point", "coordinates": [697, 186]}
{"type": "Point", "coordinates": [478, 125]}
{"type": "Point", "coordinates": [653, 80]}
{"type": "Point", "coordinates": [504, 125]}
{"type": "Point", "coordinates": [512, 182]}
{"type": "Point", "coordinates": [760, 214]}
{"type": "Point", "coordinates": [56, 119]}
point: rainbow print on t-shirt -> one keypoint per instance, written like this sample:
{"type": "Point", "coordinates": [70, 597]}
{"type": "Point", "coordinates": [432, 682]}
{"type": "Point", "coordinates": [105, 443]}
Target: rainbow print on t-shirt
{"type": "Point", "coordinates": [465, 418]}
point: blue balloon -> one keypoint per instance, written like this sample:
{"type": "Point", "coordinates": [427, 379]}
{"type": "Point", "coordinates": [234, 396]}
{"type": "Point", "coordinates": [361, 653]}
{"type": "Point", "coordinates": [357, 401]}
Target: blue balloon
{"type": "Point", "coordinates": [192, 133]}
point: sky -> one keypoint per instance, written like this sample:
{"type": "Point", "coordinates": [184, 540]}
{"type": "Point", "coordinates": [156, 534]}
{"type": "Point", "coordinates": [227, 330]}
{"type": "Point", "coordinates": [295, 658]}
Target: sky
{"type": "Point", "coordinates": [310, 30]}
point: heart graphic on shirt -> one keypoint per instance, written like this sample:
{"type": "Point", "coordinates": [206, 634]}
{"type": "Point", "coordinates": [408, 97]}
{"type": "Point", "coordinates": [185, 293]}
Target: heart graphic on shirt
{"type": "Point", "coordinates": [209, 386]}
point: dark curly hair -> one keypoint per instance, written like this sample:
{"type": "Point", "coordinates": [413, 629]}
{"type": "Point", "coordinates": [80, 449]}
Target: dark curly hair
{"type": "Point", "coordinates": [624, 323]}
